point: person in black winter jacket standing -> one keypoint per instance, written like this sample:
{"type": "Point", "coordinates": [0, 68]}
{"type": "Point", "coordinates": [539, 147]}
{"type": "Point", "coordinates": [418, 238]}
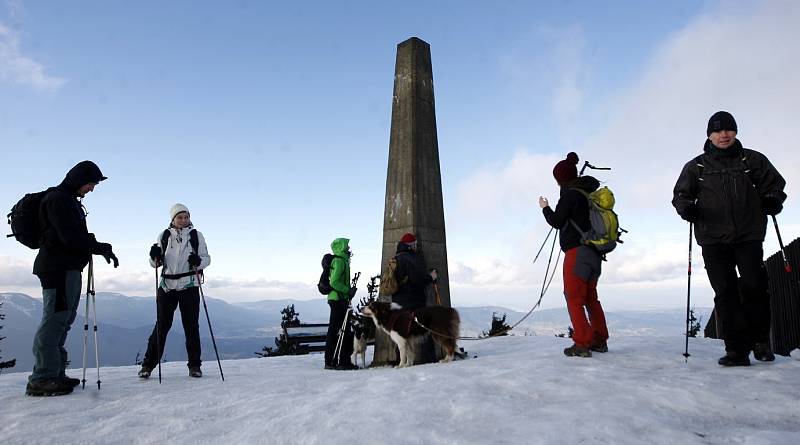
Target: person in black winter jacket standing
{"type": "Point", "coordinates": [412, 275]}
{"type": "Point", "coordinates": [413, 280]}
{"type": "Point", "coordinates": [727, 193]}
{"type": "Point", "coordinates": [65, 249]}
{"type": "Point", "coordinates": [581, 262]}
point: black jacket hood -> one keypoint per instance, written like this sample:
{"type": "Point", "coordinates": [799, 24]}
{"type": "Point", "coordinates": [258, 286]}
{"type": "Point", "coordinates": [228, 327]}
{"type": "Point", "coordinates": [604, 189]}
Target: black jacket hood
{"type": "Point", "coordinates": [83, 173]}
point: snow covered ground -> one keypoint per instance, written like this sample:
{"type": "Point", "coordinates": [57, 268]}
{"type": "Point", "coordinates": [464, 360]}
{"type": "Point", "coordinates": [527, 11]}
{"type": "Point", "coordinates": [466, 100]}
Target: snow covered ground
{"type": "Point", "coordinates": [519, 390]}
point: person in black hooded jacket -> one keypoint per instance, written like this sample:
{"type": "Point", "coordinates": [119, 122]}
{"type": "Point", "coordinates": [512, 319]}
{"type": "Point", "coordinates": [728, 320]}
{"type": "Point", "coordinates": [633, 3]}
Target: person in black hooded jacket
{"type": "Point", "coordinates": [727, 193]}
{"type": "Point", "coordinates": [413, 280]}
{"type": "Point", "coordinates": [581, 262]}
{"type": "Point", "coordinates": [65, 249]}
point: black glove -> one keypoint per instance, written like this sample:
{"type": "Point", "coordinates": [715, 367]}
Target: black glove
{"type": "Point", "coordinates": [690, 213]}
{"type": "Point", "coordinates": [771, 205]}
{"type": "Point", "coordinates": [156, 255]}
{"type": "Point", "coordinates": [194, 260]}
{"type": "Point", "coordinates": [111, 257]}
{"type": "Point", "coordinates": [352, 292]}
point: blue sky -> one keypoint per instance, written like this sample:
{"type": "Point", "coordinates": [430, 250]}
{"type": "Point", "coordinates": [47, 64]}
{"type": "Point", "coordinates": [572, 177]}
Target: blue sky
{"type": "Point", "coordinates": [271, 123]}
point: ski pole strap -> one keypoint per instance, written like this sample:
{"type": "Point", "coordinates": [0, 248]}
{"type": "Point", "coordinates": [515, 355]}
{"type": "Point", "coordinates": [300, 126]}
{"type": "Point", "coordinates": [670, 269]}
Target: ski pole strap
{"type": "Point", "coordinates": [176, 276]}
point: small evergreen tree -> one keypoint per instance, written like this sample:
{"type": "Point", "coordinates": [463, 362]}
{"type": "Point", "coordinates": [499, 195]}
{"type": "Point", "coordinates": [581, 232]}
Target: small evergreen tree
{"type": "Point", "coordinates": [289, 318]}
{"type": "Point", "coordinates": [8, 363]}
{"type": "Point", "coordinates": [694, 323]}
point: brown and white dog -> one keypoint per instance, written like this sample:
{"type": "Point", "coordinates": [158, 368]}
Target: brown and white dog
{"type": "Point", "coordinates": [405, 328]}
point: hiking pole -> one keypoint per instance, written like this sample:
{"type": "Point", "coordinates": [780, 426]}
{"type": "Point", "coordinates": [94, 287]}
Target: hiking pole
{"type": "Point", "coordinates": [94, 323]}
{"type": "Point", "coordinates": [688, 295]}
{"type": "Point", "coordinates": [340, 341]}
{"type": "Point", "coordinates": [211, 331]}
{"type": "Point", "coordinates": [90, 300]}
{"type": "Point", "coordinates": [436, 292]}
{"type": "Point", "coordinates": [158, 326]}
{"type": "Point", "coordinates": [542, 246]}
{"type": "Point", "coordinates": [86, 323]}
{"type": "Point", "coordinates": [786, 266]}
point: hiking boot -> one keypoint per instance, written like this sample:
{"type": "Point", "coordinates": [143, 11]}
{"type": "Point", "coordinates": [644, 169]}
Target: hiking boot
{"type": "Point", "coordinates": [762, 352]}
{"type": "Point", "coordinates": [734, 359]}
{"type": "Point", "coordinates": [145, 372]}
{"type": "Point", "coordinates": [195, 372]}
{"type": "Point", "coordinates": [48, 387]}
{"type": "Point", "coordinates": [577, 351]}
{"type": "Point", "coordinates": [346, 367]}
{"type": "Point", "coordinates": [70, 381]}
{"type": "Point", "coordinates": [330, 367]}
{"type": "Point", "coordinates": [599, 347]}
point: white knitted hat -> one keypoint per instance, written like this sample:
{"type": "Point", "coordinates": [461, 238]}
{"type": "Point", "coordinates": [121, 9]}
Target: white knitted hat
{"type": "Point", "coordinates": [175, 209]}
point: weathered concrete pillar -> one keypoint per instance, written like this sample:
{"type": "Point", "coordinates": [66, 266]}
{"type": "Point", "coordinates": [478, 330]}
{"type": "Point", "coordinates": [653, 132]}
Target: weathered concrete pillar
{"type": "Point", "coordinates": [413, 179]}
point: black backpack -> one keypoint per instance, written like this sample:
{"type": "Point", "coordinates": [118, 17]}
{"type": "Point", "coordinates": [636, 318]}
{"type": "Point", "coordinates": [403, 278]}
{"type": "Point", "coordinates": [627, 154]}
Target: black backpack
{"type": "Point", "coordinates": [24, 219]}
{"type": "Point", "coordinates": [324, 284]}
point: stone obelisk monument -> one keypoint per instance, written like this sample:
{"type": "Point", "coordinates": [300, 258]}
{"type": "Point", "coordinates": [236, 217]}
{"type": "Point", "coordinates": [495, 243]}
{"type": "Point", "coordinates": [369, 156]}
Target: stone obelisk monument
{"type": "Point", "coordinates": [413, 178]}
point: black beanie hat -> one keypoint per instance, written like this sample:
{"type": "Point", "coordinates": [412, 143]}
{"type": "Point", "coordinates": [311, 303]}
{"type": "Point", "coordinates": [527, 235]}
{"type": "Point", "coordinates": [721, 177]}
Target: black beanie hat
{"type": "Point", "coordinates": [721, 120]}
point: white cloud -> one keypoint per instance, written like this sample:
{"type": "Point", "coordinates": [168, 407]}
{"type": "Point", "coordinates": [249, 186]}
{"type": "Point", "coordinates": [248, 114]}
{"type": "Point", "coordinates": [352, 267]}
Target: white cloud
{"type": "Point", "coordinates": [17, 68]}
{"type": "Point", "coordinates": [742, 61]}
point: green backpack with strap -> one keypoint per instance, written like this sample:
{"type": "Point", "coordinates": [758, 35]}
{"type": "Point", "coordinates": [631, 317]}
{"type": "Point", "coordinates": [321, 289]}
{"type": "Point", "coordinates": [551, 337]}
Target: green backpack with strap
{"type": "Point", "coordinates": [604, 232]}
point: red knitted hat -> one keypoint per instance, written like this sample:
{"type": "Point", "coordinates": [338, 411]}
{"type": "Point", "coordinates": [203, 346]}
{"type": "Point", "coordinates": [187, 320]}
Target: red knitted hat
{"type": "Point", "coordinates": [408, 238]}
{"type": "Point", "coordinates": [566, 170]}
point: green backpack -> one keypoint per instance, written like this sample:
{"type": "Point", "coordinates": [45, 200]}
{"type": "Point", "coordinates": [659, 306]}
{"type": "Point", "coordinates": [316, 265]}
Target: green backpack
{"type": "Point", "coordinates": [605, 232]}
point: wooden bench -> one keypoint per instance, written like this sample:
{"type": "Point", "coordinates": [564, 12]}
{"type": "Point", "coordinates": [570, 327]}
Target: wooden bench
{"type": "Point", "coordinates": [306, 337]}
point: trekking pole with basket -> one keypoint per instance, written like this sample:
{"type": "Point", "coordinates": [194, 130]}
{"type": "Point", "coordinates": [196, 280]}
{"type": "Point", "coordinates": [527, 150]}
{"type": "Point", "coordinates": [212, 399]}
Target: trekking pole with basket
{"type": "Point", "coordinates": [688, 295]}
{"type": "Point", "coordinates": [90, 300]}
{"type": "Point", "coordinates": [158, 325]}
{"type": "Point", "coordinates": [340, 340]}
{"type": "Point", "coordinates": [211, 331]}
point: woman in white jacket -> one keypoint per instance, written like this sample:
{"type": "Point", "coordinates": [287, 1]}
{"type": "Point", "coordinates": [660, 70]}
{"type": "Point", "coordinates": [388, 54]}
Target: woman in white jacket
{"type": "Point", "coordinates": [181, 250]}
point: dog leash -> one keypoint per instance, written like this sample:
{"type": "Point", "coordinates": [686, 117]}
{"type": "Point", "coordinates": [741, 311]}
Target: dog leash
{"type": "Point", "coordinates": [545, 287]}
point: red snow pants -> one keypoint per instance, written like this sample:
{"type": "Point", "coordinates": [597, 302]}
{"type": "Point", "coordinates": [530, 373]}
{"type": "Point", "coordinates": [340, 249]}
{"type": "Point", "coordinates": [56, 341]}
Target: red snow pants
{"type": "Point", "coordinates": [581, 272]}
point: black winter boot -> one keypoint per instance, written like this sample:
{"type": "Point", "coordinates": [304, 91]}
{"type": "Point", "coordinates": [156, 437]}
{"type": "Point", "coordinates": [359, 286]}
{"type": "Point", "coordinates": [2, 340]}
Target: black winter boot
{"type": "Point", "coordinates": [70, 381]}
{"type": "Point", "coordinates": [763, 353]}
{"type": "Point", "coordinates": [145, 372]}
{"type": "Point", "coordinates": [734, 359]}
{"type": "Point", "coordinates": [48, 387]}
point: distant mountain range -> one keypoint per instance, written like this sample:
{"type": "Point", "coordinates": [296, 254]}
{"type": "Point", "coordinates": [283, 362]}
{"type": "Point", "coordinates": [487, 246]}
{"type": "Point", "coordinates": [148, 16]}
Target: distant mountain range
{"type": "Point", "coordinates": [241, 329]}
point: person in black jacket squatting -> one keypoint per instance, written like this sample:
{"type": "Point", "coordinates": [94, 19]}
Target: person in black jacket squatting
{"type": "Point", "coordinates": [65, 249]}
{"type": "Point", "coordinates": [581, 262]}
{"type": "Point", "coordinates": [727, 193]}
{"type": "Point", "coordinates": [181, 250]}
